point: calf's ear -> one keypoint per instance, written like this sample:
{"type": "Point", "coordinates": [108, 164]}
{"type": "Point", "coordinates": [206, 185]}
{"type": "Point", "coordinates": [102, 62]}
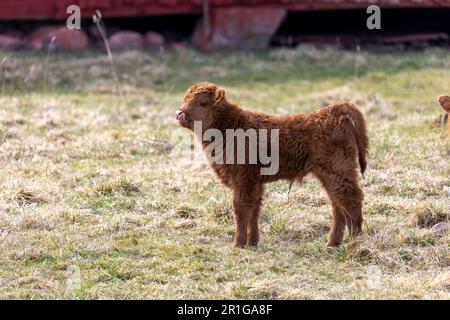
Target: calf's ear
{"type": "Point", "coordinates": [219, 95]}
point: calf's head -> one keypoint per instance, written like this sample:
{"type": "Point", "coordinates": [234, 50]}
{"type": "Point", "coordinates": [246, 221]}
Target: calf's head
{"type": "Point", "coordinates": [201, 102]}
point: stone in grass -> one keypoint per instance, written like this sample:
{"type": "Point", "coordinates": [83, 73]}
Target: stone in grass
{"type": "Point", "coordinates": [153, 40]}
{"type": "Point", "coordinates": [125, 40]}
{"type": "Point", "coordinates": [447, 189]}
{"type": "Point", "coordinates": [440, 228]}
{"type": "Point", "coordinates": [57, 37]}
{"type": "Point", "coordinates": [10, 42]}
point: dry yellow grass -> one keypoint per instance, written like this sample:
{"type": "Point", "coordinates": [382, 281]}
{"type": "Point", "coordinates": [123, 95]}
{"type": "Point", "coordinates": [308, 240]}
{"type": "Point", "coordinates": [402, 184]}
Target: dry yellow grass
{"type": "Point", "coordinates": [98, 201]}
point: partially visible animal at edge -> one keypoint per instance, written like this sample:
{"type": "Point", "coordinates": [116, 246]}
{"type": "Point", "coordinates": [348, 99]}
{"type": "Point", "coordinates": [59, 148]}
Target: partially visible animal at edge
{"type": "Point", "coordinates": [444, 100]}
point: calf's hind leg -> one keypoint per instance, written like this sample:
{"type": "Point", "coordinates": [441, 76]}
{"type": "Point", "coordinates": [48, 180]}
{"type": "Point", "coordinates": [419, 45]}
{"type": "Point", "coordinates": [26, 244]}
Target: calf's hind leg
{"type": "Point", "coordinates": [349, 197]}
{"type": "Point", "coordinates": [338, 228]}
{"type": "Point", "coordinates": [346, 197]}
{"type": "Point", "coordinates": [336, 234]}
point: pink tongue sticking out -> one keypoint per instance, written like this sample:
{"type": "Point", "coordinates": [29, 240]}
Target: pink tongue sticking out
{"type": "Point", "coordinates": [181, 116]}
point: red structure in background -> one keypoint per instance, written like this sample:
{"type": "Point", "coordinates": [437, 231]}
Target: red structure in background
{"type": "Point", "coordinates": [56, 9]}
{"type": "Point", "coordinates": [242, 24]}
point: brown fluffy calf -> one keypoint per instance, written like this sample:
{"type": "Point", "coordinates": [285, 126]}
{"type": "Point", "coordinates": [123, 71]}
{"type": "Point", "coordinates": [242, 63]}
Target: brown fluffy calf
{"type": "Point", "coordinates": [328, 143]}
{"type": "Point", "coordinates": [445, 103]}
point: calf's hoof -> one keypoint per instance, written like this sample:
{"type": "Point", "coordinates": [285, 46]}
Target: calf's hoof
{"type": "Point", "coordinates": [333, 244]}
{"type": "Point", "coordinates": [239, 244]}
{"type": "Point", "coordinates": [252, 242]}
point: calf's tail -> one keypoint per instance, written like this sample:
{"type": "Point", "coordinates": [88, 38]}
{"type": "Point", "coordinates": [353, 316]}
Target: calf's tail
{"type": "Point", "coordinates": [360, 133]}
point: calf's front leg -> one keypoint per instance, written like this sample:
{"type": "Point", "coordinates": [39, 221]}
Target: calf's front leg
{"type": "Point", "coordinates": [246, 204]}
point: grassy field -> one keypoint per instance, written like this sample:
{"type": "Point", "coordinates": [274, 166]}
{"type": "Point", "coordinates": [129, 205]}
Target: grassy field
{"type": "Point", "coordinates": [95, 203]}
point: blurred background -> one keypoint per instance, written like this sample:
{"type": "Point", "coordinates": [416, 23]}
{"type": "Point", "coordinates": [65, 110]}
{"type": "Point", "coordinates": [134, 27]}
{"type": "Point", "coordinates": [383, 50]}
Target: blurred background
{"type": "Point", "coordinates": [229, 24]}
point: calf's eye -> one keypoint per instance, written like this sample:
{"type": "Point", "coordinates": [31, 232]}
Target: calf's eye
{"type": "Point", "coordinates": [203, 104]}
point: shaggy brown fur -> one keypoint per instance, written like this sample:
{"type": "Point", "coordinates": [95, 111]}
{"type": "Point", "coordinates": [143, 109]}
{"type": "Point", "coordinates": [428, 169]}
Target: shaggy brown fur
{"type": "Point", "coordinates": [445, 103]}
{"type": "Point", "coordinates": [326, 143]}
